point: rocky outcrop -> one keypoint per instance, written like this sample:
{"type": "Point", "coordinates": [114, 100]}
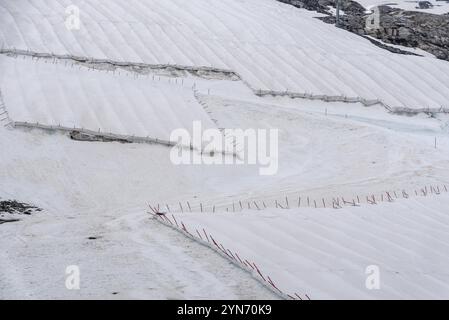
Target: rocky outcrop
{"type": "Point", "coordinates": [390, 48]}
{"type": "Point", "coordinates": [429, 32]}
{"type": "Point", "coordinates": [312, 5]}
{"type": "Point", "coordinates": [322, 6]}
{"type": "Point", "coordinates": [12, 208]}
{"type": "Point", "coordinates": [15, 207]}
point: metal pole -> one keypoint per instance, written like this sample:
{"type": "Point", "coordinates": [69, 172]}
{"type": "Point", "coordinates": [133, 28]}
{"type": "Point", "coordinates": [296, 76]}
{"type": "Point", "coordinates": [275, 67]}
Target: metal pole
{"type": "Point", "coordinates": [337, 22]}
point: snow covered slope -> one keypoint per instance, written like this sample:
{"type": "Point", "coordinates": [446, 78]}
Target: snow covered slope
{"type": "Point", "coordinates": [95, 195]}
{"type": "Point", "coordinates": [325, 252]}
{"type": "Point", "coordinates": [57, 94]}
{"type": "Point", "coordinates": [271, 45]}
{"type": "Point", "coordinates": [100, 190]}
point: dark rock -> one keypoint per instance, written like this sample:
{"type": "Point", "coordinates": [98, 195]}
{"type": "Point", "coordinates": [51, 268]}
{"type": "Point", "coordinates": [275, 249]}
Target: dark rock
{"type": "Point", "coordinates": [429, 32]}
{"type": "Point", "coordinates": [15, 207]}
{"type": "Point", "coordinates": [81, 136]}
{"type": "Point", "coordinates": [389, 48]}
{"type": "Point", "coordinates": [413, 29]}
{"type": "Point", "coordinates": [322, 6]}
{"type": "Point", "coordinates": [312, 5]}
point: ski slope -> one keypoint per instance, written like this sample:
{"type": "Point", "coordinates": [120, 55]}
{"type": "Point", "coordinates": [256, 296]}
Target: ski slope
{"type": "Point", "coordinates": [270, 45]}
{"type": "Point", "coordinates": [74, 96]}
{"type": "Point", "coordinates": [102, 190]}
{"type": "Point", "coordinates": [325, 252]}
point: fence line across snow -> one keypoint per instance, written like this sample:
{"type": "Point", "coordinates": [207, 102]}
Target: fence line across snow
{"type": "Point", "coordinates": [234, 76]}
{"type": "Point", "coordinates": [346, 99]}
{"type": "Point", "coordinates": [90, 60]}
{"type": "Point", "coordinates": [299, 201]}
{"type": "Point", "coordinates": [129, 138]}
{"type": "Point", "coordinates": [204, 238]}
{"type": "Point", "coordinates": [114, 136]}
{"type": "Point", "coordinates": [208, 240]}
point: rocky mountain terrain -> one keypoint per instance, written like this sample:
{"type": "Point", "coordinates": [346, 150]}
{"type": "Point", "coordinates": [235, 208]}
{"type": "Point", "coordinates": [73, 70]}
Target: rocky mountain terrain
{"type": "Point", "coordinates": [429, 32]}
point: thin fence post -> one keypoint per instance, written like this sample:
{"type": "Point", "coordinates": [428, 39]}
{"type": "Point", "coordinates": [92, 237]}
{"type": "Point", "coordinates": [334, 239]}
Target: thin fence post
{"type": "Point", "coordinates": [190, 208]}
